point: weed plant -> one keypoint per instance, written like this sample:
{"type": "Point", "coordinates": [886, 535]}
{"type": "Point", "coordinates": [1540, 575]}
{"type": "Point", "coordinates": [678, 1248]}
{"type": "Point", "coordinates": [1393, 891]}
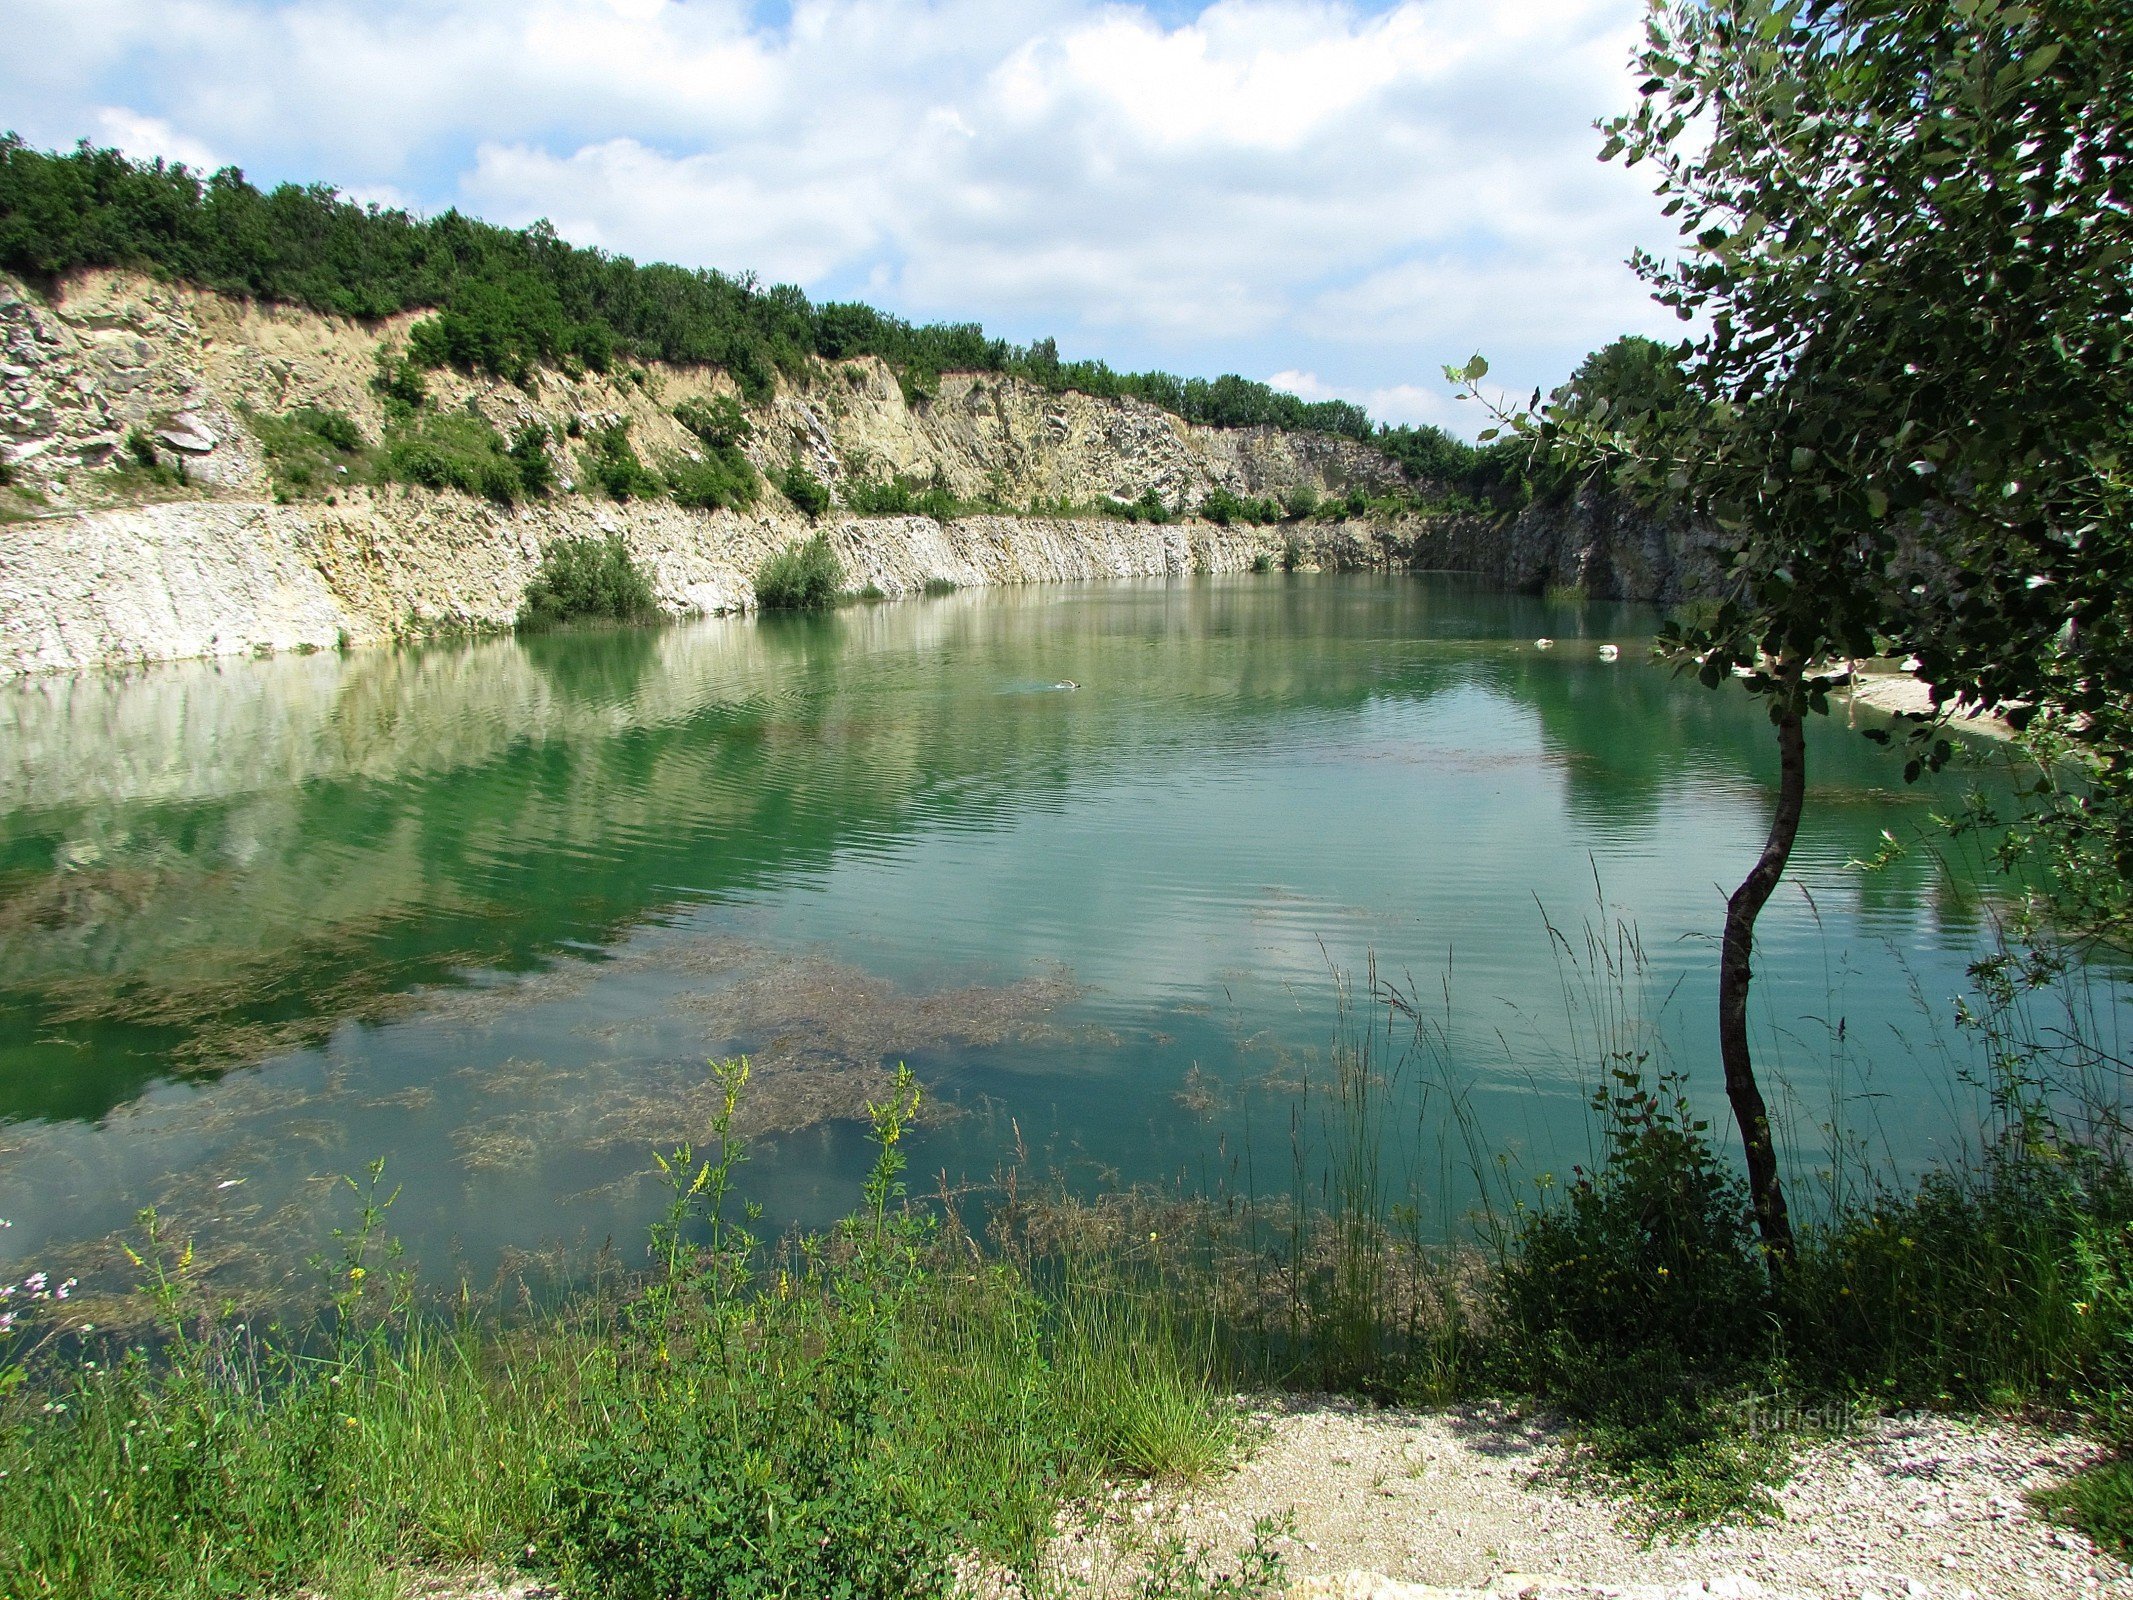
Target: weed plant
{"type": "Point", "coordinates": [836, 1414]}
{"type": "Point", "coordinates": [586, 578]}
{"type": "Point", "coordinates": [806, 576]}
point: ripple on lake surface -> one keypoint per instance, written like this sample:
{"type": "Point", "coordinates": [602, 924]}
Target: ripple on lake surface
{"type": "Point", "coordinates": [483, 910]}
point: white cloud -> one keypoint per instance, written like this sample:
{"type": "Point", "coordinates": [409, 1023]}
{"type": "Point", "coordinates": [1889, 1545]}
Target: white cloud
{"type": "Point", "coordinates": [151, 139]}
{"type": "Point", "coordinates": [1412, 403]}
{"type": "Point", "coordinates": [1268, 184]}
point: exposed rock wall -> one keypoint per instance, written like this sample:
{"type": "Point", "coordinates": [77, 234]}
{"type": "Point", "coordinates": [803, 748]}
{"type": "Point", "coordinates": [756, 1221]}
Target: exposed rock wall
{"type": "Point", "coordinates": [99, 568]}
{"type": "Point", "coordinates": [1595, 541]}
{"type": "Point", "coordinates": [200, 578]}
{"type": "Point", "coordinates": [102, 572]}
{"type": "Point", "coordinates": [114, 351]}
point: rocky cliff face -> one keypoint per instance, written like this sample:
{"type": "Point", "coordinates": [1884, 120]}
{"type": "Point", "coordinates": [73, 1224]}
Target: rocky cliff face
{"type": "Point", "coordinates": [1594, 540]}
{"type": "Point", "coordinates": [99, 567]}
{"type": "Point", "coordinates": [96, 569]}
{"type": "Point", "coordinates": [115, 352]}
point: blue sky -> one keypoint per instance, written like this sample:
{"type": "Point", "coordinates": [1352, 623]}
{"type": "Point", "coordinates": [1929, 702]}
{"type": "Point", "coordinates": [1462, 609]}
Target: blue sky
{"type": "Point", "coordinates": [1335, 198]}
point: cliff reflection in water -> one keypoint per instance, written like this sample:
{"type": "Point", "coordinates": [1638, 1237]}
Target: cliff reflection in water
{"type": "Point", "coordinates": [375, 875]}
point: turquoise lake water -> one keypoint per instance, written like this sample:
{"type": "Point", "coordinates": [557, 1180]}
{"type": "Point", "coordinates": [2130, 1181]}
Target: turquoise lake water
{"type": "Point", "coordinates": [484, 910]}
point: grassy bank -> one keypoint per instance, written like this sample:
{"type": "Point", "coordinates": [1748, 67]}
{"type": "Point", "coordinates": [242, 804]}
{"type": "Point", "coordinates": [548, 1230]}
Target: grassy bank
{"type": "Point", "coordinates": [857, 1412]}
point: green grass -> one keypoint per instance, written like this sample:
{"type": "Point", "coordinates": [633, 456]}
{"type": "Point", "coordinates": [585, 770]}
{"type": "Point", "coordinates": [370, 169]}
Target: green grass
{"type": "Point", "coordinates": [2098, 1501]}
{"type": "Point", "coordinates": [847, 1412]}
{"type": "Point", "coordinates": [842, 1413]}
{"type": "Point", "coordinates": [312, 451]}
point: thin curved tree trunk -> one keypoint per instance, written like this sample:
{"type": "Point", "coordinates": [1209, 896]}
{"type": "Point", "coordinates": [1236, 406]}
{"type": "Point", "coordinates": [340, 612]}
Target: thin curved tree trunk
{"type": "Point", "coordinates": [1735, 972]}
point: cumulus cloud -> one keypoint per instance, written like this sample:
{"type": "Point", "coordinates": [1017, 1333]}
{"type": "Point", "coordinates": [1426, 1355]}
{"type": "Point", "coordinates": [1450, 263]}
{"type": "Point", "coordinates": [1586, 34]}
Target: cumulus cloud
{"type": "Point", "coordinates": [151, 139]}
{"type": "Point", "coordinates": [1346, 194]}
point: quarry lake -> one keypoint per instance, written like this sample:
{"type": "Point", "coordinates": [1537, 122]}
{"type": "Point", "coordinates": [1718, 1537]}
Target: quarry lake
{"type": "Point", "coordinates": [1097, 861]}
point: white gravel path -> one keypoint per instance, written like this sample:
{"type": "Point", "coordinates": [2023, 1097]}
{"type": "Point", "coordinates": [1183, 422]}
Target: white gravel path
{"type": "Point", "coordinates": [1414, 1505]}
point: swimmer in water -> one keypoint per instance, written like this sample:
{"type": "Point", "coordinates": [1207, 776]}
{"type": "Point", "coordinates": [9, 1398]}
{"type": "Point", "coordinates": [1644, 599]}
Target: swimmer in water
{"type": "Point", "coordinates": [1066, 683]}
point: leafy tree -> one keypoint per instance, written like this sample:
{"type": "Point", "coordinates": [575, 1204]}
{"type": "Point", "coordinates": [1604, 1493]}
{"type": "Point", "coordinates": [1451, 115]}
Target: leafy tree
{"type": "Point", "coordinates": [1906, 228]}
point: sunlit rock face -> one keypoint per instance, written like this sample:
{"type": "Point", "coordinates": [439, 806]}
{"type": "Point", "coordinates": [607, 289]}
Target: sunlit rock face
{"type": "Point", "coordinates": [100, 568]}
{"type": "Point", "coordinates": [108, 571]}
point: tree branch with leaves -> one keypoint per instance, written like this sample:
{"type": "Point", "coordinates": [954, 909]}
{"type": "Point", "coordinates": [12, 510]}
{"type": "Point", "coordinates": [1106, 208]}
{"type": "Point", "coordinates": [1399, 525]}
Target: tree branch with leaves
{"type": "Point", "coordinates": [1909, 411]}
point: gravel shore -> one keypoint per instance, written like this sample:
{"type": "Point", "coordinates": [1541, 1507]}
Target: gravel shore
{"type": "Point", "coordinates": [1432, 1505]}
{"type": "Point", "coordinates": [1455, 1504]}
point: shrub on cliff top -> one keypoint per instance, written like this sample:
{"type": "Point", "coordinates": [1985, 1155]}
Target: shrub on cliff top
{"type": "Point", "coordinates": [587, 579]}
{"type": "Point", "coordinates": [801, 577]}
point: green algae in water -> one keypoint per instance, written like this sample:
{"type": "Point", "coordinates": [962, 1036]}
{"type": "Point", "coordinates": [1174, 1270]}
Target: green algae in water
{"type": "Point", "coordinates": [486, 909]}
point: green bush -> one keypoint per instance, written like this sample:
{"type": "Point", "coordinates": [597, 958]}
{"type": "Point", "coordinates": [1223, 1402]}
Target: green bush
{"type": "Point", "coordinates": [756, 1481]}
{"type": "Point", "coordinates": [720, 423]}
{"type": "Point", "coordinates": [1654, 1254]}
{"type": "Point", "coordinates": [309, 450]}
{"type": "Point", "coordinates": [529, 452]}
{"type": "Point", "coordinates": [718, 480]}
{"type": "Point", "coordinates": [806, 491]}
{"type": "Point", "coordinates": [902, 496]}
{"type": "Point", "coordinates": [1638, 1303]}
{"type": "Point", "coordinates": [587, 578]}
{"type": "Point", "coordinates": [802, 577]}
{"type": "Point", "coordinates": [610, 461]}
{"type": "Point", "coordinates": [725, 476]}
{"type": "Point", "coordinates": [2009, 1283]}
{"type": "Point", "coordinates": [1300, 502]}
{"type": "Point", "coordinates": [400, 384]}
{"type": "Point", "coordinates": [456, 450]}
{"type": "Point", "coordinates": [1222, 507]}
{"type": "Point", "coordinates": [1147, 507]}
{"type": "Point", "coordinates": [936, 587]}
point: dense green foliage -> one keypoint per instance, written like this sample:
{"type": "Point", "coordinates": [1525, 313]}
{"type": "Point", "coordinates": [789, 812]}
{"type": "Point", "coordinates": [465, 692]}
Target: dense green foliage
{"type": "Point", "coordinates": [1907, 233]}
{"type": "Point", "coordinates": [807, 492]}
{"type": "Point", "coordinates": [587, 579]}
{"type": "Point", "coordinates": [724, 476]}
{"type": "Point", "coordinates": [806, 576]}
{"type": "Point", "coordinates": [509, 300]}
{"type": "Point", "coordinates": [609, 462]}
{"type": "Point", "coordinates": [902, 496]}
{"type": "Point", "coordinates": [1912, 241]}
{"type": "Point", "coordinates": [1223, 507]}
